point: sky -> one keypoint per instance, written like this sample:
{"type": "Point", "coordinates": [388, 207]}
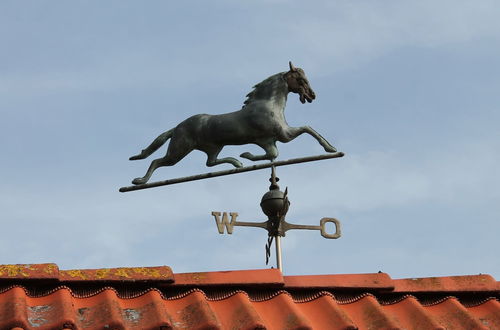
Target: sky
{"type": "Point", "coordinates": [408, 90]}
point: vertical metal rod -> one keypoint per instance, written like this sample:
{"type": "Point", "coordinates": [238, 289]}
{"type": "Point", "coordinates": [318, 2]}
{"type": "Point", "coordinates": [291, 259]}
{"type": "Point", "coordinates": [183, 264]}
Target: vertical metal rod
{"type": "Point", "coordinates": [279, 264]}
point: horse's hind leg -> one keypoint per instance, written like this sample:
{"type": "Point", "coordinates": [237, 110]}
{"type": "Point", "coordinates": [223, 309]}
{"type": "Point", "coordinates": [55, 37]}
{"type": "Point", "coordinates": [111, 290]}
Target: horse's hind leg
{"type": "Point", "coordinates": [177, 150]}
{"type": "Point", "coordinates": [154, 165]}
{"type": "Point", "coordinates": [270, 149]}
{"type": "Point", "coordinates": [155, 145]}
{"type": "Point", "coordinates": [293, 132]}
{"type": "Point", "coordinates": [212, 160]}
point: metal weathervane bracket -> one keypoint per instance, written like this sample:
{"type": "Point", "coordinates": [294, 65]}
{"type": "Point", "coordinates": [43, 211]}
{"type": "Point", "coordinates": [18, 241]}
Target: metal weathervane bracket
{"type": "Point", "coordinates": [275, 205]}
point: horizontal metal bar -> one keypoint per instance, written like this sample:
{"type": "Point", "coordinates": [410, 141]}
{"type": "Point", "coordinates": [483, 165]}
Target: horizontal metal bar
{"type": "Point", "coordinates": [262, 225]}
{"type": "Point", "coordinates": [287, 226]}
{"type": "Point", "coordinates": [231, 171]}
{"type": "Point", "coordinates": [322, 227]}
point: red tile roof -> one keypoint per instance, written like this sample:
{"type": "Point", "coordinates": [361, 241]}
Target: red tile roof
{"type": "Point", "coordinates": [44, 297]}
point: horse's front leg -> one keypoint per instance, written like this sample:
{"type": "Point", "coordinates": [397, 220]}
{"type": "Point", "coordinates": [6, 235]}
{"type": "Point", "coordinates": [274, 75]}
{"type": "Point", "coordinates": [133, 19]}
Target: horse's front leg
{"type": "Point", "coordinates": [292, 132]}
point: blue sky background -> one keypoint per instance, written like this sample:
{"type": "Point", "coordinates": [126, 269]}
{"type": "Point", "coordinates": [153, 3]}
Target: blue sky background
{"type": "Point", "coordinates": [409, 90]}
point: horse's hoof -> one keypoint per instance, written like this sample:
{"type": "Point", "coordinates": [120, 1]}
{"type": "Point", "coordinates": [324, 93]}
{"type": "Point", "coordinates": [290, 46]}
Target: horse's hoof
{"type": "Point", "coordinates": [247, 155]}
{"type": "Point", "coordinates": [330, 149]}
{"type": "Point", "coordinates": [139, 181]}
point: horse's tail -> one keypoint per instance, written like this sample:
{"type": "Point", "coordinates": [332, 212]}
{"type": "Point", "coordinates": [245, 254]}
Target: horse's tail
{"type": "Point", "coordinates": [155, 145]}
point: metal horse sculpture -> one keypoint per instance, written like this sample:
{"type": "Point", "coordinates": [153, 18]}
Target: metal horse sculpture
{"type": "Point", "coordinates": [261, 121]}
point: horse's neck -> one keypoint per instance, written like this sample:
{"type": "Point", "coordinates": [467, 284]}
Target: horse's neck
{"type": "Point", "coordinates": [272, 92]}
{"type": "Point", "coordinates": [278, 101]}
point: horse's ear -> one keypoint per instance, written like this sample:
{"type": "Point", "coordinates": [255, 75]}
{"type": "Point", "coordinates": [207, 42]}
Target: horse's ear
{"type": "Point", "coordinates": [292, 68]}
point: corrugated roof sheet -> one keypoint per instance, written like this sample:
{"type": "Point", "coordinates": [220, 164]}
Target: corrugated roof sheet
{"type": "Point", "coordinates": [44, 297]}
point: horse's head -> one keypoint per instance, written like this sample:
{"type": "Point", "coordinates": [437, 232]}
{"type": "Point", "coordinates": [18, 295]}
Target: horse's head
{"type": "Point", "coordinates": [298, 83]}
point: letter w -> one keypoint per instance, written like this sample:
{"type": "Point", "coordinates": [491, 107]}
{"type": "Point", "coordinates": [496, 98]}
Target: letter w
{"type": "Point", "coordinates": [225, 221]}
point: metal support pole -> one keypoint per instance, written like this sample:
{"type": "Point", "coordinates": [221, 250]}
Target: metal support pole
{"type": "Point", "coordinates": [279, 264]}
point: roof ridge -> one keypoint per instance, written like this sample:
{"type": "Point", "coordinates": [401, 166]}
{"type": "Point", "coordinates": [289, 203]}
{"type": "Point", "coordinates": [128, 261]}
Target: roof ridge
{"type": "Point", "coordinates": [256, 296]}
{"type": "Point", "coordinates": [162, 276]}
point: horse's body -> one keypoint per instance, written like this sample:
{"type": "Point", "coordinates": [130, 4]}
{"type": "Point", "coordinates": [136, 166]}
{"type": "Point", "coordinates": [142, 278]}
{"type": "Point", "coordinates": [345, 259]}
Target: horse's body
{"type": "Point", "coordinates": [261, 121]}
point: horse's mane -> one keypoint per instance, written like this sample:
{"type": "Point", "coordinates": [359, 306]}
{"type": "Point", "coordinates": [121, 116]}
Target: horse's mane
{"type": "Point", "coordinates": [267, 88]}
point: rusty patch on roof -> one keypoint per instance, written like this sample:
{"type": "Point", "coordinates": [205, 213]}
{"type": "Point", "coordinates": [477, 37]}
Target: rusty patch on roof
{"type": "Point", "coordinates": [29, 271]}
{"type": "Point", "coordinates": [157, 274]}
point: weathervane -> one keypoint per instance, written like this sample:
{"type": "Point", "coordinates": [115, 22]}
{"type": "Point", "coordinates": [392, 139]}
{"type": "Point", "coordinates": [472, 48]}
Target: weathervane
{"type": "Point", "coordinates": [260, 121]}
